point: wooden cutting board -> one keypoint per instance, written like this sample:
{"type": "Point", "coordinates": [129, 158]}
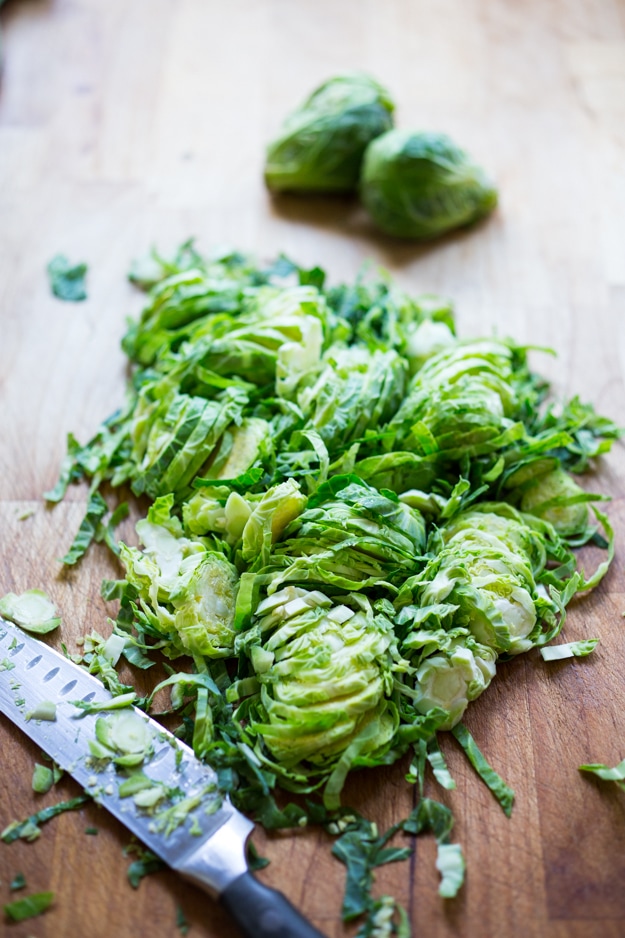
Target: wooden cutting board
{"type": "Point", "coordinates": [124, 125]}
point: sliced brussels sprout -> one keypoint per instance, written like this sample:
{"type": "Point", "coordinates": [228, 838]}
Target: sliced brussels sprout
{"type": "Point", "coordinates": [278, 506]}
{"type": "Point", "coordinates": [246, 443]}
{"type": "Point", "coordinates": [451, 679]}
{"type": "Point", "coordinates": [32, 610]}
{"type": "Point", "coordinates": [325, 670]}
{"type": "Point", "coordinates": [356, 391]}
{"type": "Point", "coordinates": [204, 609]}
{"type": "Point", "coordinates": [185, 591]}
{"type": "Point", "coordinates": [175, 437]}
{"type": "Point", "coordinates": [350, 536]}
{"type": "Point", "coordinates": [558, 499]}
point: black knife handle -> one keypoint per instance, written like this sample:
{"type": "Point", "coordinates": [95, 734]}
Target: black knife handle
{"type": "Point", "coordinates": [262, 912]}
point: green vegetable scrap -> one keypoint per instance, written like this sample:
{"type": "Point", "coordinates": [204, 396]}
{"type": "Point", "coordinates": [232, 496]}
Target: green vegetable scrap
{"type": "Point", "coordinates": [181, 921]}
{"type": "Point", "coordinates": [101, 655]}
{"type": "Point", "coordinates": [44, 777]}
{"type": "Point", "coordinates": [615, 774]}
{"type": "Point", "coordinates": [32, 610]}
{"type": "Point", "coordinates": [29, 829]}
{"type": "Point", "coordinates": [67, 280]}
{"type": "Point", "coordinates": [321, 144]}
{"type": "Point", "coordinates": [124, 738]}
{"type": "Point", "coordinates": [362, 849]}
{"type": "Point", "coordinates": [387, 918]}
{"type": "Point", "coordinates": [501, 791]}
{"type": "Point", "coordinates": [117, 703]}
{"type": "Point", "coordinates": [171, 816]}
{"type": "Point", "coordinates": [29, 906]}
{"type": "Point", "coordinates": [18, 882]}
{"type": "Point", "coordinates": [569, 650]}
{"type": "Point", "coordinates": [431, 816]}
{"type": "Point", "coordinates": [145, 864]}
{"type": "Point", "coordinates": [25, 514]}
{"type": "Point", "coordinates": [93, 528]}
{"type": "Point", "coordinates": [354, 516]}
{"type": "Point", "coordinates": [46, 710]}
{"type": "Point", "coordinates": [421, 185]}
{"type": "Point", "coordinates": [254, 860]}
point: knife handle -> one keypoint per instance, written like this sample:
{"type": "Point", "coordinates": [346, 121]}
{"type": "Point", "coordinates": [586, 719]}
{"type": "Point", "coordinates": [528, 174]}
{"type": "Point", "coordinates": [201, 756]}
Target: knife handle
{"type": "Point", "coordinates": [262, 912]}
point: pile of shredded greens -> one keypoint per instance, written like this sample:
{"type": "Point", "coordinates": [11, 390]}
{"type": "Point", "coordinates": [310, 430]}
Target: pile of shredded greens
{"type": "Point", "coordinates": [353, 516]}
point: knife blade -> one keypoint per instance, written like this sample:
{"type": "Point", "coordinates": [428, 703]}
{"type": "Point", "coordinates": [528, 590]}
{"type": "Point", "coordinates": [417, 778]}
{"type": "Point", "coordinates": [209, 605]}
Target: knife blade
{"type": "Point", "coordinates": [203, 839]}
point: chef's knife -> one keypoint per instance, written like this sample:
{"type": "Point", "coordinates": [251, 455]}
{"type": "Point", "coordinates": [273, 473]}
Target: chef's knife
{"type": "Point", "coordinates": [206, 847]}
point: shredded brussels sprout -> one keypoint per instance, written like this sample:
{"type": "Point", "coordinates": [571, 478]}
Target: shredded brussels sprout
{"type": "Point", "coordinates": [354, 515]}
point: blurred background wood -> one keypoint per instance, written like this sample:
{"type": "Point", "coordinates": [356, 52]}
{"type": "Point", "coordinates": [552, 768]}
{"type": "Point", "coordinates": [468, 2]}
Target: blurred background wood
{"type": "Point", "coordinates": [124, 125]}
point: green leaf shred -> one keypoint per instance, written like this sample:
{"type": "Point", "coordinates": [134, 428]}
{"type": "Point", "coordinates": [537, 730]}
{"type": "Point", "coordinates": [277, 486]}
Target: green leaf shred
{"type": "Point", "coordinates": [28, 907]}
{"type": "Point", "coordinates": [502, 792]}
{"type": "Point", "coordinates": [67, 280]}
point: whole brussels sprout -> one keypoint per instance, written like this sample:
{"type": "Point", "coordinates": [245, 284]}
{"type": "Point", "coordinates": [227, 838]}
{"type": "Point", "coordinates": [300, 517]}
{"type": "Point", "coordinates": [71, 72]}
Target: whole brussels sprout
{"type": "Point", "coordinates": [321, 145]}
{"type": "Point", "coordinates": [420, 185]}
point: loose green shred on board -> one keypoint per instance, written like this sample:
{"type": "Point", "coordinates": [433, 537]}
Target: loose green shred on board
{"type": "Point", "coordinates": [67, 280]}
{"type": "Point", "coordinates": [18, 882]}
{"type": "Point", "coordinates": [30, 829]}
{"type": "Point", "coordinates": [29, 906]}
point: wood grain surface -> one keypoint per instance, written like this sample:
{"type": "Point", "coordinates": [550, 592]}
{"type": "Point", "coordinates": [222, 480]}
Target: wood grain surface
{"type": "Point", "coordinates": [127, 124]}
